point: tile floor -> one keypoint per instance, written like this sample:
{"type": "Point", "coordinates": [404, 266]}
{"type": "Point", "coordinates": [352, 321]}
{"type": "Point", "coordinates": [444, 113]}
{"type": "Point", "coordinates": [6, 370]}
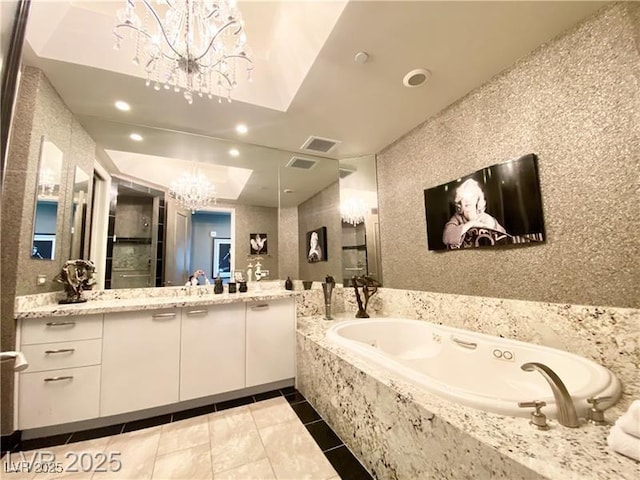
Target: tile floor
{"type": "Point", "coordinates": [275, 435]}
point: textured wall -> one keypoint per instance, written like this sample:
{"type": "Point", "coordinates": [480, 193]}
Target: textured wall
{"type": "Point", "coordinates": [252, 219]}
{"type": "Point", "coordinates": [574, 102]}
{"type": "Point", "coordinates": [288, 242]}
{"type": "Point", "coordinates": [321, 210]}
{"type": "Point", "coordinates": [39, 112]}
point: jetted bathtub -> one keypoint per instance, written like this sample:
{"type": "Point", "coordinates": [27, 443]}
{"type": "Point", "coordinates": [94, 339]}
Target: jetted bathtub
{"type": "Point", "coordinates": [473, 369]}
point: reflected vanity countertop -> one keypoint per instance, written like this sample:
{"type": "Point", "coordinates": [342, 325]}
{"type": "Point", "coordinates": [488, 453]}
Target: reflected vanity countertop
{"type": "Point", "coordinates": [139, 299]}
{"type": "Point", "coordinates": [576, 453]}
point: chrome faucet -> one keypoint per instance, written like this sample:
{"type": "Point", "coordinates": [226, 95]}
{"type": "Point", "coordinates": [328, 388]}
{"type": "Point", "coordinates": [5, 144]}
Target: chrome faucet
{"type": "Point", "coordinates": [327, 289]}
{"type": "Point", "coordinates": [566, 409]}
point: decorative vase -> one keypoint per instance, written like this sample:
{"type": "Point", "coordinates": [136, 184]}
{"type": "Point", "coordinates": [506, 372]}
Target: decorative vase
{"type": "Point", "coordinates": [217, 286]}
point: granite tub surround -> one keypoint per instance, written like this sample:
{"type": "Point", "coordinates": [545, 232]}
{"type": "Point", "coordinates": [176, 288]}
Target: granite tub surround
{"type": "Point", "coordinates": [609, 336]}
{"type": "Point", "coordinates": [109, 301]}
{"type": "Point", "coordinates": [400, 431]}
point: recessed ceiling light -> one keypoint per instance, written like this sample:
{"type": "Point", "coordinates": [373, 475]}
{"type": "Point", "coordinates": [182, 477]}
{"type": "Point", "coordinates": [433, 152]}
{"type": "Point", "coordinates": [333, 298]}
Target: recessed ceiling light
{"type": "Point", "coordinates": [136, 136]}
{"type": "Point", "coordinates": [241, 128]}
{"type": "Point", "coordinates": [234, 152]}
{"type": "Point", "coordinates": [288, 190]}
{"type": "Point", "coordinates": [124, 106]}
{"type": "Point", "coordinates": [416, 77]}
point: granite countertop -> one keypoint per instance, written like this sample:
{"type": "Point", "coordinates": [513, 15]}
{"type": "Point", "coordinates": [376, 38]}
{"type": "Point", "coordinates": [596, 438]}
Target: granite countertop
{"type": "Point", "coordinates": [176, 297]}
{"type": "Point", "coordinates": [561, 452]}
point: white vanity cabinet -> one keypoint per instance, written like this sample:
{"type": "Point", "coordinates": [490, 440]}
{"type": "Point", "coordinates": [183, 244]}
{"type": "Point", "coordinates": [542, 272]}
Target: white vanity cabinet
{"type": "Point", "coordinates": [62, 383]}
{"type": "Point", "coordinates": [212, 353]}
{"type": "Point", "coordinates": [271, 341]}
{"type": "Point", "coordinates": [140, 360]}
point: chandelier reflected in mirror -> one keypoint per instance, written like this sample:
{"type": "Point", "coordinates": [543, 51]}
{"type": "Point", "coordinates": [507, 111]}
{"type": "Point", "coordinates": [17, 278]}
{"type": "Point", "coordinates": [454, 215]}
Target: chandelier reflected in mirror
{"type": "Point", "coordinates": [193, 191]}
{"type": "Point", "coordinates": [353, 211]}
{"type": "Point", "coordinates": [188, 46]}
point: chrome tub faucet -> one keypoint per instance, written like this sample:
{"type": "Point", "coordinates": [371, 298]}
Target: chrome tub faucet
{"type": "Point", "coordinates": [566, 409]}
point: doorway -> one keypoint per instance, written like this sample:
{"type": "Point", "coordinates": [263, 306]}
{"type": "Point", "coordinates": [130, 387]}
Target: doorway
{"type": "Point", "coordinates": [212, 243]}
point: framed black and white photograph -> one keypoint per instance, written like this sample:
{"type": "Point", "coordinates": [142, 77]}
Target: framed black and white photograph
{"type": "Point", "coordinates": [222, 258]}
{"type": "Point", "coordinates": [317, 245]}
{"type": "Point", "coordinates": [258, 244]}
{"type": "Point", "coordinates": [498, 205]}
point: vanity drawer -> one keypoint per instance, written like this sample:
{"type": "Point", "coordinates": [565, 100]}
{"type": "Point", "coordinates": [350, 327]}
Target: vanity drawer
{"type": "Point", "coordinates": [60, 329]}
{"type": "Point", "coordinates": [52, 356]}
{"type": "Point", "coordinates": [58, 396]}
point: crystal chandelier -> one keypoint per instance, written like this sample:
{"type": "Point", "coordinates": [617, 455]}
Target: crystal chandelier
{"type": "Point", "coordinates": [190, 46]}
{"type": "Point", "coordinates": [192, 191]}
{"type": "Point", "coordinates": [353, 211]}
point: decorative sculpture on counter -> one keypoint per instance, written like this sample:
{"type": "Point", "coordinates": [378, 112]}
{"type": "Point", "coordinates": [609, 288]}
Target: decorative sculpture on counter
{"type": "Point", "coordinates": [76, 276]}
{"type": "Point", "coordinates": [369, 288]}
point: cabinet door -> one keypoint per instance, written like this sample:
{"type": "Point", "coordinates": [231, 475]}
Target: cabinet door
{"type": "Point", "coordinates": [58, 396]}
{"type": "Point", "coordinates": [212, 358]}
{"type": "Point", "coordinates": [270, 341]}
{"type": "Point", "coordinates": [140, 360]}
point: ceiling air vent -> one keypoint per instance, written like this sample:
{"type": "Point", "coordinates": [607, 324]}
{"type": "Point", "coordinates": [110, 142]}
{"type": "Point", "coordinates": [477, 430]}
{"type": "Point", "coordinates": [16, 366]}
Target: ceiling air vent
{"type": "Point", "coordinates": [302, 163]}
{"type": "Point", "coordinates": [345, 172]}
{"type": "Point", "coordinates": [319, 144]}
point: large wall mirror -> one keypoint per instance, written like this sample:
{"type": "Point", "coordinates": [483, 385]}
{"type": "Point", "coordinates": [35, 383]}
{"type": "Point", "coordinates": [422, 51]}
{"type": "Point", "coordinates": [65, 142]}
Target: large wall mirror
{"type": "Point", "coordinates": [47, 199]}
{"type": "Point", "coordinates": [359, 219]}
{"type": "Point", "coordinates": [259, 191]}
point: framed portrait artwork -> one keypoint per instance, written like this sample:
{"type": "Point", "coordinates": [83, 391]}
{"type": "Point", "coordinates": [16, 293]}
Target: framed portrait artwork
{"type": "Point", "coordinates": [317, 245]}
{"type": "Point", "coordinates": [498, 205]}
{"type": "Point", "coordinates": [258, 244]}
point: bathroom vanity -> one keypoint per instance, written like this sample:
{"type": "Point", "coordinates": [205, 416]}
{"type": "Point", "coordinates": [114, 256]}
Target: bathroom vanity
{"type": "Point", "coordinates": [125, 352]}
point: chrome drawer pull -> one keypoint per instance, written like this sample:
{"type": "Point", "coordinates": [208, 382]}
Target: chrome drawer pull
{"type": "Point", "coordinates": [164, 315]}
{"type": "Point", "coordinates": [57, 379]}
{"type": "Point", "coordinates": [260, 307]}
{"type": "Point", "coordinates": [60, 350]}
{"type": "Point", "coordinates": [197, 312]}
{"type": "Point", "coordinates": [60, 324]}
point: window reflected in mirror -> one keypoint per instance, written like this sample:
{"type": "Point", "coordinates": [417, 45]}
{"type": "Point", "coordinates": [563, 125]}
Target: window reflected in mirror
{"type": "Point", "coordinates": [45, 221]}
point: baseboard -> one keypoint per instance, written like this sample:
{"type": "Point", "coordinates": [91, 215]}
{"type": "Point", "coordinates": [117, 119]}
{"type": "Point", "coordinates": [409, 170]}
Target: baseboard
{"type": "Point", "coordinates": [9, 442]}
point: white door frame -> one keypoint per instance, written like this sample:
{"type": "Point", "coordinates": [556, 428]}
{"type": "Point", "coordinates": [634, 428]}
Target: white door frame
{"type": "Point", "coordinates": [231, 211]}
{"type": "Point", "coordinates": [100, 199]}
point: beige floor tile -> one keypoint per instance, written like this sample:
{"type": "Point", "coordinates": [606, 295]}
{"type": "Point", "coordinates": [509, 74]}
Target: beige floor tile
{"type": "Point", "coordinates": [137, 453]}
{"type": "Point", "coordinates": [227, 423]}
{"type": "Point", "coordinates": [184, 434]}
{"type": "Point", "coordinates": [189, 464]}
{"type": "Point", "coordinates": [236, 450]}
{"type": "Point", "coordinates": [260, 470]}
{"type": "Point", "coordinates": [75, 460]}
{"type": "Point", "coordinates": [272, 411]}
{"type": "Point", "coordinates": [294, 454]}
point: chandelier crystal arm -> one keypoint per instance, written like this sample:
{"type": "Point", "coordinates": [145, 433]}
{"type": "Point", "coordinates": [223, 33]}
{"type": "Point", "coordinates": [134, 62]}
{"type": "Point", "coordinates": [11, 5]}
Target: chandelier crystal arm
{"type": "Point", "coordinates": [161, 27]}
{"type": "Point", "coordinates": [215, 37]}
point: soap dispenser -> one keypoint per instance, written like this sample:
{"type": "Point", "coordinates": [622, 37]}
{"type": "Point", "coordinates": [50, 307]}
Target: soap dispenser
{"type": "Point", "coordinates": [288, 284]}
